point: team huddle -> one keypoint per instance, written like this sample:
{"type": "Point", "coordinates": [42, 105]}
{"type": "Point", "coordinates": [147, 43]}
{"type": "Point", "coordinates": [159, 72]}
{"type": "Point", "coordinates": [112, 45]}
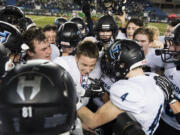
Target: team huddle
{"type": "Point", "coordinates": [80, 77]}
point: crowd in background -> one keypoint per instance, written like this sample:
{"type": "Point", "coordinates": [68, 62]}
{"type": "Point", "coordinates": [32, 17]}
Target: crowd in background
{"type": "Point", "coordinates": [103, 63]}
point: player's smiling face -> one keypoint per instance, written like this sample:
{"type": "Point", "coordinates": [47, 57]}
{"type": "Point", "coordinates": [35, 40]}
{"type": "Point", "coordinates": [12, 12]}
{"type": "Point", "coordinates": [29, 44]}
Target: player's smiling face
{"type": "Point", "coordinates": [85, 64]}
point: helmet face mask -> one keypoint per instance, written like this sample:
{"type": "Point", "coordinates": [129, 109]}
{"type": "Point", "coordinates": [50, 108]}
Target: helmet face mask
{"type": "Point", "coordinates": [106, 23]}
{"type": "Point", "coordinates": [171, 50]}
{"type": "Point", "coordinates": [105, 35]}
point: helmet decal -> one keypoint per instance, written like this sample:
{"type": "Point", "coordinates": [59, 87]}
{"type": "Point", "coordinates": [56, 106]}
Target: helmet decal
{"type": "Point", "coordinates": [4, 37]}
{"type": "Point", "coordinates": [24, 83]}
{"type": "Point", "coordinates": [114, 52]}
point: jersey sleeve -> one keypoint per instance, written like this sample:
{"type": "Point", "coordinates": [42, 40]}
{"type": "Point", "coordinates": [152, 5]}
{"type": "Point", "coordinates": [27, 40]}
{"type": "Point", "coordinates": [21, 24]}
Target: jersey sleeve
{"type": "Point", "coordinates": [126, 97]}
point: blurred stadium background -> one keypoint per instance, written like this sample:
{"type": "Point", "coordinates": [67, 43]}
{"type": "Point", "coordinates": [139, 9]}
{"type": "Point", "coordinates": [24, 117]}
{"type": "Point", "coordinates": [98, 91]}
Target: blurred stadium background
{"type": "Point", "coordinates": [44, 12]}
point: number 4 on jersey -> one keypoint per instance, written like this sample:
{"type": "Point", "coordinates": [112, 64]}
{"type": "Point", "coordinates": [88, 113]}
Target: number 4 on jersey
{"type": "Point", "coordinates": [123, 97]}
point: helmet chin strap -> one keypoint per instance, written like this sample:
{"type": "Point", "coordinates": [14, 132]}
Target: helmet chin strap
{"type": "Point", "coordinates": [106, 40]}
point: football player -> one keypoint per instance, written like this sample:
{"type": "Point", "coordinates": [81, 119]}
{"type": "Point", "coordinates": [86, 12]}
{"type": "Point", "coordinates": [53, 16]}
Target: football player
{"type": "Point", "coordinates": [82, 67]}
{"type": "Point", "coordinates": [128, 94]}
{"type": "Point", "coordinates": [67, 38]}
{"type": "Point", "coordinates": [106, 30]}
{"type": "Point", "coordinates": [170, 123]}
{"type": "Point", "coordinates": [37, 98]}
{"type": "Point", "coordinates": [12, 46]}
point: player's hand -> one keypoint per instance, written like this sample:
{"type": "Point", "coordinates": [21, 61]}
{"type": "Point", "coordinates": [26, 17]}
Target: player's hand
{"type": "Point", "coordinates": [166, 86]}
{"type": "Point", "coordinates": [95, 89]}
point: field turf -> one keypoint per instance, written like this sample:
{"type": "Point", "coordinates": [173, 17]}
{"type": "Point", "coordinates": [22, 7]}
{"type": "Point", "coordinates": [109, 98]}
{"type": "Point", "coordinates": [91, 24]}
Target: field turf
{"type": "Point", "coordinates": [41, 21]}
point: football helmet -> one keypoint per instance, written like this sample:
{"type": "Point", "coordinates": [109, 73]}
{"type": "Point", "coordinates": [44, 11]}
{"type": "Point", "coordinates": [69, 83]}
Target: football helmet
{"type": "Point", "coordinates": [11, 39]}
{"type": "Point", "coordinates": [81, 25]}
{"type": "Point", "coordinates": [3, 60]}
{"type": "Point", "coordinates": [68, 34]}
{"type": "Point", "coordinates": [123, 56]}
{"type": "Point", "coordinates": [106, 23]}
{"type": "Point", "coordinates": [37, 98]}
{"type": "Point", "coordinates": [59, 21]}
{"type": "Point", "coordinates": [171, 51]}
{"type": "Point", "coordinates": [25, 24]}
{"type": "Point", "coordinates": [11, 14]}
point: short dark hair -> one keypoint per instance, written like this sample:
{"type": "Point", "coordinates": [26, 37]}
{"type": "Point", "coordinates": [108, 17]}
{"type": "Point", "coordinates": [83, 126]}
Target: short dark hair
{"type": "Point", "coordinates": [49, 28]}
{"type": "Point", "coordinates": [33, 34]}
{"type": "Point", "coordinates": [136, 21]}
{"type": "Point", "coordinates": [87, 48]}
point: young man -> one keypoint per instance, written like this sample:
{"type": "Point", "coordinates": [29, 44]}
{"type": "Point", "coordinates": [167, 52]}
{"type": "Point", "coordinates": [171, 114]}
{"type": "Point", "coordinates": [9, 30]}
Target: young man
{"type": "Point", "coordinates": [50, 34]}
{"type": "Point", "coordinates": [134, 92]}
{"type": "Point", "coordinates": [106, 30]}
{"type": "Point", "coordinates": [131, 26]}
{"type": "Point", "coordinates": [82, 66]}
{"type": "Point", "coordinates": [144, 36]}
{"type": "Point", "coordinates": [170, 123]}
{"type": "Point", "coordinates": [39, 46]}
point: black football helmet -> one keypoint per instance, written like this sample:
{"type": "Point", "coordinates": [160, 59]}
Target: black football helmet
{"type": "Point", "coordinates": [11, 14]}
{"type": "Point", "coordinates": [25, 24]}
{"type": "Point", "coordinates": [106, 23]}
{"type": "Point", "coordinates": [11, 39]}
{"type": "Point", "coordinates": [37, 98]}
{"type": "Point", "coordinates": [4, 58]}
{"type": "Point", "coordinates": [59, 21]}
{"type": "Point", "coordinates": [68, 34]}
{"type": "Point", "coordinates": [171, 51]}
{"type": "Point", "coordinates": [123, 56]}
{"type": "Point", "coordinates": [81, 25]}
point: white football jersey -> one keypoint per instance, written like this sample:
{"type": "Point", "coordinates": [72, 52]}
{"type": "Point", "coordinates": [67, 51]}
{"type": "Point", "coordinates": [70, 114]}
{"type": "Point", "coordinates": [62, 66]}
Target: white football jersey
{"type": "Point", "coordinates": [174, 76]}
{"type": "Point", "coordinates": [141, 97]}
{"type": "Point", "coordinates": [69, 63]}
{"type": "Point", "coordinates": [153, 61]}
{"type": "Point", "coordinates": [54, 51]}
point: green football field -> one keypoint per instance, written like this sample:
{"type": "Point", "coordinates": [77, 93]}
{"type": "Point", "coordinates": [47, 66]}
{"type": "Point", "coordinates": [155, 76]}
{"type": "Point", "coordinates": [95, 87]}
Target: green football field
{"type": "Point", "coordinates": [41, 21]}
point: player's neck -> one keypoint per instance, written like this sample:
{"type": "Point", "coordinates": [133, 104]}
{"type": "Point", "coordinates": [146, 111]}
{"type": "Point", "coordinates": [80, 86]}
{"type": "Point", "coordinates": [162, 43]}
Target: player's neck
{"type": "Point", "coordinates": [135, 72]}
